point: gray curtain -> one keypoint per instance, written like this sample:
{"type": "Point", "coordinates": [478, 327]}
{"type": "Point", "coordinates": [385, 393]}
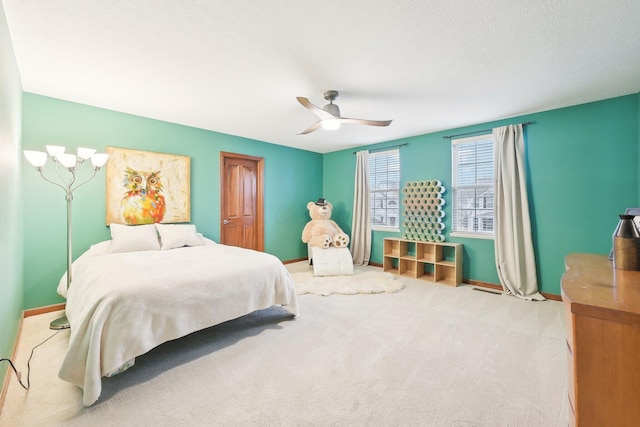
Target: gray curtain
{"type": "Point", "coordinates": [515, 259]}
{"type": "Point", "coordinates": [361, 224]}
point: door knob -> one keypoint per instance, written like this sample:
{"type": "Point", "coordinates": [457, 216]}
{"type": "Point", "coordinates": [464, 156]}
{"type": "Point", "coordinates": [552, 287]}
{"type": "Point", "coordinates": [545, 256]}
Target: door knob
{"type": "Point", "coordinates": [226, 221]}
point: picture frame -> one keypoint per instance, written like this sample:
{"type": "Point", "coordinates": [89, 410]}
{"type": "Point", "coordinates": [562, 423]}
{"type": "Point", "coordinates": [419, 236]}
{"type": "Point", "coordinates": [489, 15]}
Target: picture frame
{"type": "Point", "coordinates": [145, 187]}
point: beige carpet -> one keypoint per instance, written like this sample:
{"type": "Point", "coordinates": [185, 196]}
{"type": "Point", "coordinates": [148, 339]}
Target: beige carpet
{"type": "Point", "coordinates": [429, 355]}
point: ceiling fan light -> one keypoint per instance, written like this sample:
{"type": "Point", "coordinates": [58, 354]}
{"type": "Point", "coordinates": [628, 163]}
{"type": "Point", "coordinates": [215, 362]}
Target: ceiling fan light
{"type": "Point", "coordinates": [330, 124]}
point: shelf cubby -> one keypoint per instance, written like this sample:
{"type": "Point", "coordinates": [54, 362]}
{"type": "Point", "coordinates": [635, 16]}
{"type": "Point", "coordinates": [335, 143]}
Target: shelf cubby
{"type": "Point", "coordinates": [438, 262]}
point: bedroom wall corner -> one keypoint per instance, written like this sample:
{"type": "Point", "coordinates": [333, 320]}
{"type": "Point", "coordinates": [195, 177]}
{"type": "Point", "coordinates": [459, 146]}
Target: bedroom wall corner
{"type": "Point", "coordinates": [291, 176]}
{"type": "Point", "coordinates": [638, 139]}
{"type": "Point", "coordinates": [583, 166]}
{"type": "Point", "coordinates": [11, 291]}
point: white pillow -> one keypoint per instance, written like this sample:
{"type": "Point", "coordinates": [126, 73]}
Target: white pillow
{"type": "Point", "coordinates": [178, 235]}
{"type": "Point", "coordinates": [131, 238]}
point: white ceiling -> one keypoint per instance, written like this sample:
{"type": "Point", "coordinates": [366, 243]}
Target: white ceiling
{"type": "Point", "coordinates": [237, 66]}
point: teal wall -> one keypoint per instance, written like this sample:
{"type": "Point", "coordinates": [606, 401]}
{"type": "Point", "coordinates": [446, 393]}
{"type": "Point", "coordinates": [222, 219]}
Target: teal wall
{"type": "Point", "coordinates": [10, 193]}
{"type": "Point", "coordinates": [583, 171]}
{"type": "Point", "coordinates": [292, 178]}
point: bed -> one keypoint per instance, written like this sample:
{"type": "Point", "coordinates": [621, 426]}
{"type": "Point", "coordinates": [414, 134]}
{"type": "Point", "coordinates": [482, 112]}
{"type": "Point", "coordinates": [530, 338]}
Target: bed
{"type": "Point", "coordinates": [154, 283]}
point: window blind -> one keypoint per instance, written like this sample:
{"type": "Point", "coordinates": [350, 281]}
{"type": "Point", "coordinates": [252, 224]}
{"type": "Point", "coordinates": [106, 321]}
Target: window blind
{"type": "Point", "coordinates": [472, 182]}
{"type": "Point", "coordinates": [384, 181]}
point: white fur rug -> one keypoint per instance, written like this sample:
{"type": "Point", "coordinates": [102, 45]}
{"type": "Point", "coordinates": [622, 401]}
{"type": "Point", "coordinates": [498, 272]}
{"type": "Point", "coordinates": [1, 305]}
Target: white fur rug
{"type": "Point", "coordinates": [361, 282]}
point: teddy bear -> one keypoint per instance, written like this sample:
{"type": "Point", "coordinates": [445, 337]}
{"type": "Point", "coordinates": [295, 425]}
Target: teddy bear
{"type": "Point", "coordinates": [322, 231]}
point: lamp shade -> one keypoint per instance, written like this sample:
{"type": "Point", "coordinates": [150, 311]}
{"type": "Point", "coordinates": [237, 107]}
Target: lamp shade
{"type": "Point", "coordinates": [36, 158]}
{"type": "Point", "coordinates": [85, 153]}
{"type": "Point", "coordinates": [67, 160]}
{"type": "Point", "coordinates": [99, 159]}
{"type": "Point", "coordinates": [55, 150]}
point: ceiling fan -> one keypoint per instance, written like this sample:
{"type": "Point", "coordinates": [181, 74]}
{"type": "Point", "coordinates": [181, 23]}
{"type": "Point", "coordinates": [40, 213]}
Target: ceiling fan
{"type": "Point", "coordinates": [329, 115]}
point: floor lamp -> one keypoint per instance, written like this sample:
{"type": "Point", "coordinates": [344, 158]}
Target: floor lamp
{"type": "Point", "coordinates": [65, 167]}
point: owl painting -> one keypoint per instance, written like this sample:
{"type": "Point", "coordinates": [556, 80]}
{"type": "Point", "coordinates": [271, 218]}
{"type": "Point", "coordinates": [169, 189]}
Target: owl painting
{"type": "Point", "coordinates": [142, 202]}
{"type": "Point", "coordinates": [145, 187]}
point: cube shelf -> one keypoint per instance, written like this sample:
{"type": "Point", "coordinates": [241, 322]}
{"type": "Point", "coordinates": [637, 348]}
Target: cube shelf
{"type": "Point", "coordinates": [439, 262]}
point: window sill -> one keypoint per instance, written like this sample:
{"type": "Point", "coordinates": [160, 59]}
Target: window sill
{"type": "Point", "coordinates": [386, 229]}
{"type": "Point", "coordinates": [472, 235]}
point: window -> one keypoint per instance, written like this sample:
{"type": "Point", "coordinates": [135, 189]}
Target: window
{"type": "Point", "coordinates": [384, 182]}
{"type": "Point", "coordinates": [472, 181]}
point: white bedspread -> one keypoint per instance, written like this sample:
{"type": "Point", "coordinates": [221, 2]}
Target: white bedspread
{"type": "Point", "coordinates": [122, 305]}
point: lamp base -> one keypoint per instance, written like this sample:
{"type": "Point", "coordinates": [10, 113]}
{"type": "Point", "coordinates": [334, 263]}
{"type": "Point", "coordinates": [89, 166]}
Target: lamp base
{"type": "Point", "coordinates": [60, 323]}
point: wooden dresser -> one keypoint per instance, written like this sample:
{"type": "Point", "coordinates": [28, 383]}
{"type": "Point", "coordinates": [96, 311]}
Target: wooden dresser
{"type": "Point", "coordinates": [602, 306]}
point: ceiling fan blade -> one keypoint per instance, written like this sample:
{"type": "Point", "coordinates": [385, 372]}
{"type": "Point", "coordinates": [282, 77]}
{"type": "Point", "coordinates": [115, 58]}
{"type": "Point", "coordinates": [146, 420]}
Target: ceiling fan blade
{"type": "Point", "coordinates": [330, 113]}
{"type": "Point", "coordinates": [317, 125]}
{"type": "Point", "coordinates": [316, 110]}
{"type": "Point", "coordinates": [366, 122]}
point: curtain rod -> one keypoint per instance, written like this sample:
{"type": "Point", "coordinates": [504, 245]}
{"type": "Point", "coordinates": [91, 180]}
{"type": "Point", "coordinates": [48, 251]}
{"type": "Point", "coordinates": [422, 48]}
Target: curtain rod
{"type": "Point", "coordinates": [481, 131]}
{"type": "Point", "coordinates": [386, 148]}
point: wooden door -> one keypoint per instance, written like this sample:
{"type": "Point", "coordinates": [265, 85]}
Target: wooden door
{"type": "Point", "coordinates": [241, 201]}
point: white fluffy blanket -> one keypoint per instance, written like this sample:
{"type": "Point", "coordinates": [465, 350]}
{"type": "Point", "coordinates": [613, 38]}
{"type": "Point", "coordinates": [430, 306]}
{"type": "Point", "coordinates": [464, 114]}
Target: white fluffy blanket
{"type": "Point", "coordinates": [363, 281]}
{"type": "Point", "coordinates": [122, 305]}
